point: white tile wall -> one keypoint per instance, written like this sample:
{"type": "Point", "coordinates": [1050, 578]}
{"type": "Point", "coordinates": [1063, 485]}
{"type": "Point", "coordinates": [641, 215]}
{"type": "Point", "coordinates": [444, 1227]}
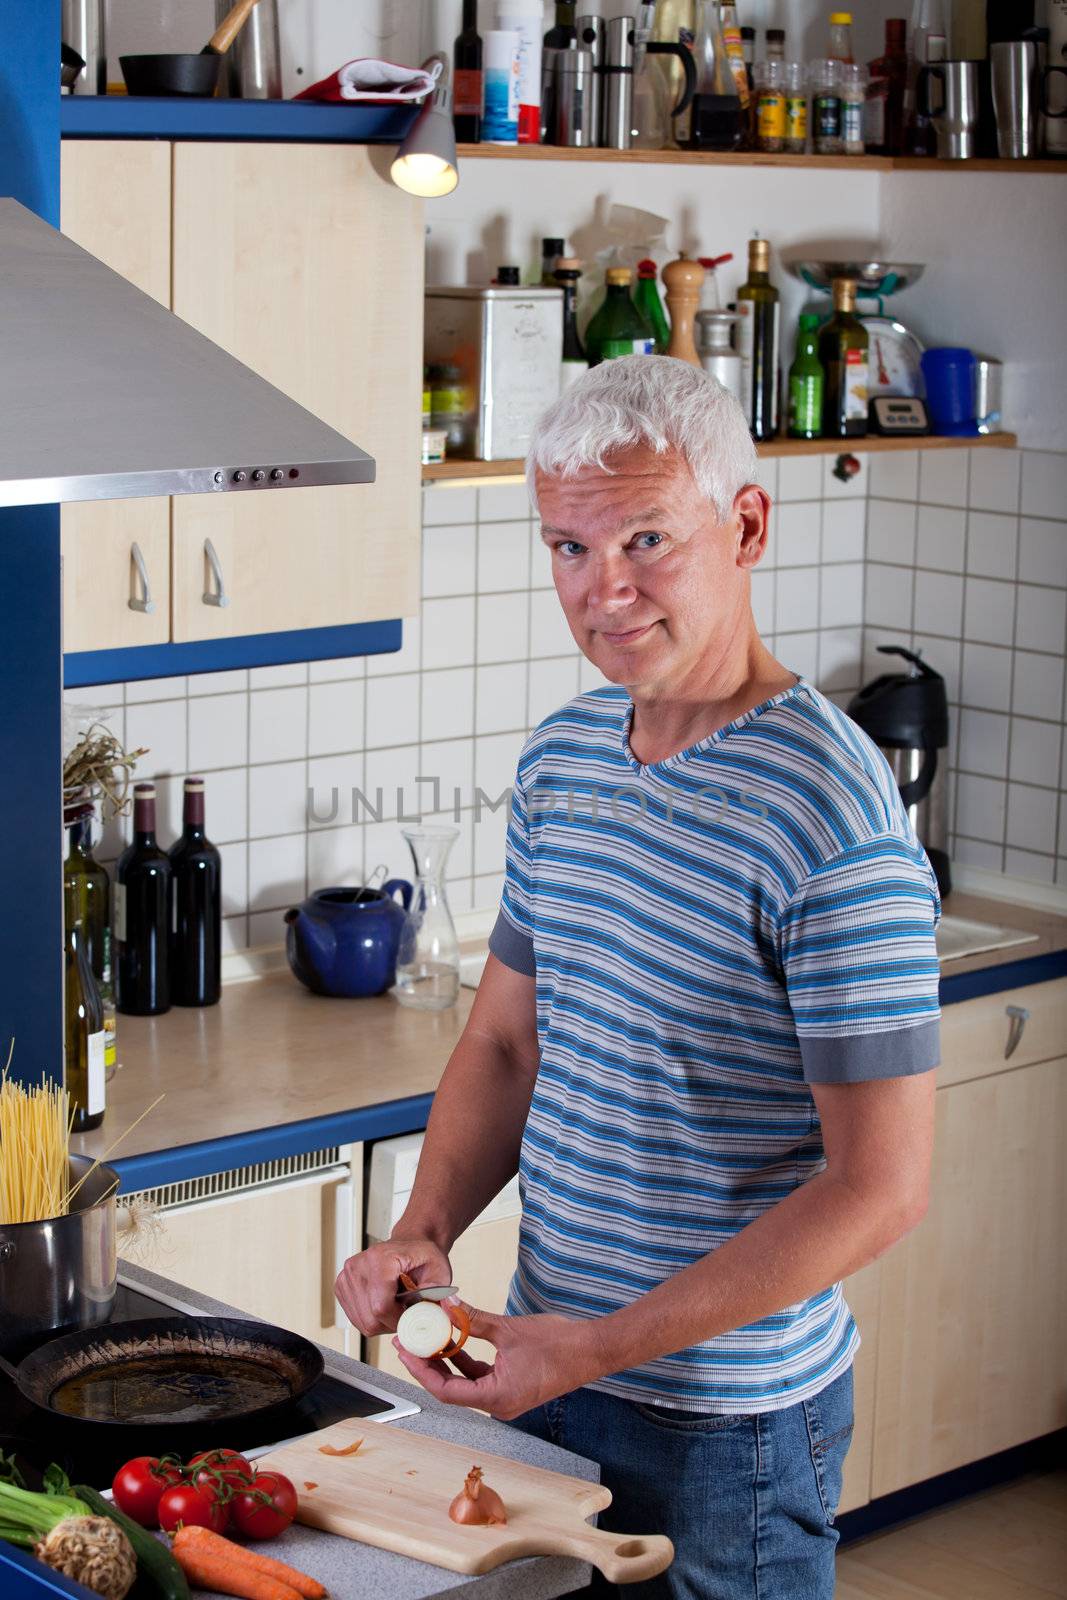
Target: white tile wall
{"type": "Point", "coordinates": [960, 553]}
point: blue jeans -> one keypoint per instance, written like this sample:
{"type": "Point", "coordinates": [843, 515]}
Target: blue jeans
{"type": "Point", "coordinates": [748, 1502]}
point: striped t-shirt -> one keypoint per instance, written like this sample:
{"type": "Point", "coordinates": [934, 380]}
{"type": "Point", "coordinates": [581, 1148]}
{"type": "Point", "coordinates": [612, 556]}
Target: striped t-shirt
{"type": "Point", "coordinates": [710, 934]}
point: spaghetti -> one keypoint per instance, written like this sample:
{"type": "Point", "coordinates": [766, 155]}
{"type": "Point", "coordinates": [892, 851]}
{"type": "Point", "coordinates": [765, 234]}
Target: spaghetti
{"type": "Point", "coordinates": [34, 1150]}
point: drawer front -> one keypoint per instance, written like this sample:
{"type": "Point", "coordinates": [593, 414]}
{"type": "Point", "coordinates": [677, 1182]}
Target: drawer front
{"type": "Point", "coordinates": [977, 1035]}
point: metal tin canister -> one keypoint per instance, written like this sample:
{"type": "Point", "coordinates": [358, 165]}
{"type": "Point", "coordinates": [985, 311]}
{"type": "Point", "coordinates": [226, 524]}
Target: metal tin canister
{"type": "Point", "coordinates": [507, 344]}
{"type": "Point", "coordinates": [988, 388]}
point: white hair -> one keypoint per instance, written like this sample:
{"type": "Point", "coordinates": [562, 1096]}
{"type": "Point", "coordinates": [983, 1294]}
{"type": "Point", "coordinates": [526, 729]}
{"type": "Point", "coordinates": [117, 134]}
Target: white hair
{"type": "Point", "coordinates": [655, 401]}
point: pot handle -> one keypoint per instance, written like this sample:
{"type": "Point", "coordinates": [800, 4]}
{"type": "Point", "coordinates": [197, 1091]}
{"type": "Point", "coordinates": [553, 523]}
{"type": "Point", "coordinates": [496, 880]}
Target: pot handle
{"type": "Point", "coordinates": [390, 887]}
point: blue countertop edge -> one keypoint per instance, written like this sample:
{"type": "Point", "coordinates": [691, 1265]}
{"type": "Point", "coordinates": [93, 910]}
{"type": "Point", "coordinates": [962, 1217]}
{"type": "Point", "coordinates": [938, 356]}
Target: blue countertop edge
{"type": "Point", "coordinates": [120, 116]}
{"type": "Point", "coordinates": [23, 1577]}
{"type": "Point", "coordinates": [155, 1168]}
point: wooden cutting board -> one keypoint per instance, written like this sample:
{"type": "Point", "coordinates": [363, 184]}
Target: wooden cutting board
{"type": "Point", "coordinates": [396, 1490]}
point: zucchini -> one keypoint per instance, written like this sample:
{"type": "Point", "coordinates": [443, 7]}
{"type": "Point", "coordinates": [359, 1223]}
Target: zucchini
{"type": "Point", "coordinates": [155, 1564]}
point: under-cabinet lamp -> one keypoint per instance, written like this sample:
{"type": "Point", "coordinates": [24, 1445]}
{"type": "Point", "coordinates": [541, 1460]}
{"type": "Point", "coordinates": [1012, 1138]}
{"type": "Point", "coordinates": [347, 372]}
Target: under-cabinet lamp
{"type": "Point", "coordinates": [426, 163]}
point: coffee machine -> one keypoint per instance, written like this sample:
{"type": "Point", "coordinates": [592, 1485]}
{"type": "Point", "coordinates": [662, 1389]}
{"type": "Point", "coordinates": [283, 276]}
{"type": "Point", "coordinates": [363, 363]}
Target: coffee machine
{"type": "Point", "coordinates": [906, 715]}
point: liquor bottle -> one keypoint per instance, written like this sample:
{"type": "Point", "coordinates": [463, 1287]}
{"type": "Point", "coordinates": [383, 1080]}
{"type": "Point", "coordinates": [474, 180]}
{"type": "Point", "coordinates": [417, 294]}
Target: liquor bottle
{"type": "Point", "coordinates": [758, 314]}
{"type": "Point", "coordinates": [83, 1037]}
{"type": "Point", "coordinates": [735, 52]}
{"type": "Point", "coordinates": [142, 896]}
{"type": "Point", "coordinates": [843, 346]}
{"type": "Point", "coordinates": [807, 381]}
{"type": "Point", "coordinates": [648, 302]}
{"type": "Point", "coordinates": [467, 77]}
{"type": "Point", "coordinates": [574, 362]}
{"type": "Point", "coordinates": [85, 885]}
{"type": "Point", "coordinates": [717, 122]}
{"type": "Point", "coordinates": [563, 34]}
{"type": "Point", "coordinates": [617, 327]}
{"type": "Point", "coordinates": [883, 128]}
{"type": "Point", "coordinates": [551, 250]}
{"type": "Point", "coordinates": [196, 908]}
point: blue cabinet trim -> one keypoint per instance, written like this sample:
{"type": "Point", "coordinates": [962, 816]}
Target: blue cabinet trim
{"type": "Point", "coordinates": [1008, 975]}
{"type": "Point", "coordinates": [23, 1577]}
{"type": "Point", "coordinates": [122, 116]}
{"type": "Point", "coordinates": [272, 1144]}
{"type": "Point", "coordinates": [82, 668]}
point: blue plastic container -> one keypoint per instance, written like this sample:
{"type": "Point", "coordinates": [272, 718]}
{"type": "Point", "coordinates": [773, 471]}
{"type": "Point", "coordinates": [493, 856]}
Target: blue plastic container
{"type": "Point", "coordinates": [949, 375]}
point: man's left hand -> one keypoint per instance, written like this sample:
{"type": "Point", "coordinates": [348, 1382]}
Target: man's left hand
{"type": "Point", "coordinates": [537, 1359]}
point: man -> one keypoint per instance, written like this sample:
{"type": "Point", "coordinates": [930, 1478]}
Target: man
{"type": "Point", "coordinates": [706, 1030]}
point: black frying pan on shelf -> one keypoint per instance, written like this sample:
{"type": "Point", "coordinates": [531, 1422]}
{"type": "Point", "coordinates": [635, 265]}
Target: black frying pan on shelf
{"type": "Point", "coordinates": [168, 1371]}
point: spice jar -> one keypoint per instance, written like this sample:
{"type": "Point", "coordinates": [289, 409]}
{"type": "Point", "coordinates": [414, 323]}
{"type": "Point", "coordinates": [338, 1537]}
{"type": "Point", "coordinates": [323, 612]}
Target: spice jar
{"type": "Point", "coordinates": [826, 108]}
{"type": "Point", "coordinates": [853, 97]}
{"type": "Point", "coordinates": [768, 78]}
{"type": "Point", "coordinates": [796, 109]}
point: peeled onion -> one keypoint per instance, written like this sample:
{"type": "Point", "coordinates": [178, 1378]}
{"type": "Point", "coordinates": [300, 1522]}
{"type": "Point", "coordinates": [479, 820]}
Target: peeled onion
{"type": "Point", "coordinates": [424, 1329]}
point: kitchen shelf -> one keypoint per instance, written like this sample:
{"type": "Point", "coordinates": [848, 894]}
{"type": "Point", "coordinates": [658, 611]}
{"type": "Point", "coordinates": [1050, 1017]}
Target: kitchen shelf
{"type": "Point", "coordinates": [466, 471]}
{"type": "Point", "coordinates": [748, 158]}
{"type": "Point", "coordinates": [127, 116]}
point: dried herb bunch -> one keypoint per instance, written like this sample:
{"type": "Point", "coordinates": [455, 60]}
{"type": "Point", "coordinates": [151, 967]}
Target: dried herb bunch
{"type": "Point", "coordinates": [98, 765]}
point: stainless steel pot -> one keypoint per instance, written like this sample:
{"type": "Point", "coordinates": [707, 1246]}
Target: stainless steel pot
{"type": "Point", "coordinates": [60, 1273]}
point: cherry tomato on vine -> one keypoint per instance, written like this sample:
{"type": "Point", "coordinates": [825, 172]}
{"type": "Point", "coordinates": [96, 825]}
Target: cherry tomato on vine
{"type": "Point", "coordinates": [267, 1508]}
{"type": "Point", "coordinates": [139, 1484]}
{"type": "Point", "coordinates": [220, 1466]}
{"type": "Point", "coordinates": [192, 1504]}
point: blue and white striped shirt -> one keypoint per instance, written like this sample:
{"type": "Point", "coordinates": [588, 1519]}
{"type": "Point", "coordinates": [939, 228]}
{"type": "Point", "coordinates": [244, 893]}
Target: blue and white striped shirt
{"type": "Point", "coordinates": [710, 934]}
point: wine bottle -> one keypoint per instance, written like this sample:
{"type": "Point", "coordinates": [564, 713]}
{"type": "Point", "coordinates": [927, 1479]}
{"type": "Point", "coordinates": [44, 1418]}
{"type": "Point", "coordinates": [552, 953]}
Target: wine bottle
{"type": "Point", "coordinates": [84, 1036]}
{"type": "Point", "coordinates": [467, 78]}
{"type": "Point", "coordinates": [142, 894]}
{"type": "Point", "coordinates": [563, 34]}
{"type": "Point", "coordinates": [758, 313]}
{"type": "Point", "coordinates": [85, 885]}
{"type": "Point", "coordinates": [196, 908]}
{"type": "Point", "coordinates": [574, 361]}
{"type": "Point", "coordinates": [843, 346]}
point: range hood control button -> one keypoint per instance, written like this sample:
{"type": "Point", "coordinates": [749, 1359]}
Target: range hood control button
{"type": "Point", "coordinates": [276, 474]}
{"type": "Point", "coordinates": [240, 475]}
{"type": "Point", "coordinates": [259, 475]}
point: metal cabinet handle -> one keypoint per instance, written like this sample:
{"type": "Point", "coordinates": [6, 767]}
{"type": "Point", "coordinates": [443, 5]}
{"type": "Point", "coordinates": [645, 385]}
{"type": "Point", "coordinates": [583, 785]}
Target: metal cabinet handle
{"type": "Point", "coordinates": [1019, 1018]}
{"type": "Point", "coordinates": [218, 595]}
{"type": "Point", "coordinates": [143, 601]}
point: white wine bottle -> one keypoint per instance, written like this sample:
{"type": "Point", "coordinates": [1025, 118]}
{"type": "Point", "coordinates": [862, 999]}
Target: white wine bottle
{"type": "Point", "coordinates": [85, 1070]}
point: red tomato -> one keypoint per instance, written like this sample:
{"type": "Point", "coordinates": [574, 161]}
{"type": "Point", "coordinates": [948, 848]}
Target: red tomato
{"type": "Point", "coordinates": [266, 1509]}
{"type": "Point", "coordinates": [221, 1466]}
{"type": "Point", "coordinates": [196, 1506]}
{"type": "Point", "coordinates": [138, 1485]}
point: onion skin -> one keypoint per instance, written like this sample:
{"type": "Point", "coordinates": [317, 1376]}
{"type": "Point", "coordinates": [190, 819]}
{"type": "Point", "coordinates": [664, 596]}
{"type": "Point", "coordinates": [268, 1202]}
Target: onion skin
{"type": "Point", "coordinates": [477, 1504]}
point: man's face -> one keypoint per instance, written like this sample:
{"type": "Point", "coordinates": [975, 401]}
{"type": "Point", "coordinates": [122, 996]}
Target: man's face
{"type": "Point", "coordinates": [653, 586]}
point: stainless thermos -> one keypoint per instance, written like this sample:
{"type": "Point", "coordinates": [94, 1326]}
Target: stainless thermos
{"type": "Point", "coordinates": [574, 98]}
{"type": "Point", "coordinates": [84, 29]}
{"type": "Point", "coordinates": [592, 36]}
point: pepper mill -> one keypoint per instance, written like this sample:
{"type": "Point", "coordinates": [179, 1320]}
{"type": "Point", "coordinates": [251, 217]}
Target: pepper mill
{"type": "Point", "coordinates": [683, 279]}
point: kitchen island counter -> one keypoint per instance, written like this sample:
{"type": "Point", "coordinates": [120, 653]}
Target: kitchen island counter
{"type": "Point", "coordinates": [274, 1071]}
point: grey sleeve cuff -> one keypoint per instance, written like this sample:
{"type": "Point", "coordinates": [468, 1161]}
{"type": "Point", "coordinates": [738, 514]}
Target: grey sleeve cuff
{"type": "Point", "coordinates": [897, 1053]}
{"type": "Point", "coordinates": [513, 948]}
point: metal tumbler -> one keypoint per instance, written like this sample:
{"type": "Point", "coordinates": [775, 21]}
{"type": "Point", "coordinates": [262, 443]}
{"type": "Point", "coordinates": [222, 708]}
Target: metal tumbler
{"type": "Point", "coordinates": [1014, 74]}
{"type": "Point", "coordinates": [955, 117]}
{"type": "Point", "coordinates": [616, 118]}
{"type": "Point", "coordinates": [574, 97]}
{"type": "Point", "coordinates": [592, 36]}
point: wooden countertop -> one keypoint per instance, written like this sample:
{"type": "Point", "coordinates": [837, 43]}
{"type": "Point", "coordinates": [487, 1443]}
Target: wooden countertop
{"type": "Point", "coordinates": [271, 1054]}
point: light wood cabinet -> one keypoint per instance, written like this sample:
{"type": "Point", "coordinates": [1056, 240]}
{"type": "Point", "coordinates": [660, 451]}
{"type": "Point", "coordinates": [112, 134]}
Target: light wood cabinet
{"type": "Point", "coordinates": [862, 1292]}
{"type": "Point", "coordinates": [272, 1250]}
{"type": "Point", "coordinates": [973, 1312]}
{"type": "Point", "coordinates": [306, 263]}
{"type": "Point", "coordinates": [116, 203]}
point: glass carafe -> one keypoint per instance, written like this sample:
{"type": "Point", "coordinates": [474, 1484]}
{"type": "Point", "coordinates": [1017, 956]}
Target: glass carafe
{"type": "Point", "coordinates": [427, 963]}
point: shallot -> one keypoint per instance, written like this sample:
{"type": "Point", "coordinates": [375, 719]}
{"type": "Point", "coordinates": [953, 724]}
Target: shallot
{"type": "Point", "coordinates": [476, 1503]}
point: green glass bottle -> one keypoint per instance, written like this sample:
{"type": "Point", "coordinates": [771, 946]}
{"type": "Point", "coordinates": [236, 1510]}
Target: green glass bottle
{"type": "Point", "coordinates": [843, 347]}
{"type": "Point", "coordinates": [757, 342]}
{"type": "Point", "coordinates": [87, 893]}
{"type": "Point", "coordinates": [648, 302]}
{"type": "Point", "coordinates": [617, 327]}
{"type": "Point", "coordinates": [807, 381]}
{"type": "Point", "coordinates": [85, 1070]}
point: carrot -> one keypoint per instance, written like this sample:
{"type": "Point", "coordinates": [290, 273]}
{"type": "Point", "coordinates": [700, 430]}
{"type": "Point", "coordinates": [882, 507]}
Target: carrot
{"type": "Point", "coordinates": [228, 1575]}
{"type": "Point", "coordinates": [203, 1539]}
{"type": "Point", "coordinates": [332, 1450]}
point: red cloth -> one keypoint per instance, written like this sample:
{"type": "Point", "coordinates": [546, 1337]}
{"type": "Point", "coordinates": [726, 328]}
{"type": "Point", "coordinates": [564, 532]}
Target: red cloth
{"type": "Point", "coordinates": [363, 79]}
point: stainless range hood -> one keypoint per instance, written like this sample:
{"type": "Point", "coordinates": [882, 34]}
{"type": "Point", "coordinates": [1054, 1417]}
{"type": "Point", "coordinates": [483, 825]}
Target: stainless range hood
{"type": "Point", "coordinates": [106, 395]}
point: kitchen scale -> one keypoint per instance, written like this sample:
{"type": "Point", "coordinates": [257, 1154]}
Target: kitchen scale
{"type": "Point", "coordinates": [92, 1452]}
{"type": "Point", "coordinates": [895, 351]}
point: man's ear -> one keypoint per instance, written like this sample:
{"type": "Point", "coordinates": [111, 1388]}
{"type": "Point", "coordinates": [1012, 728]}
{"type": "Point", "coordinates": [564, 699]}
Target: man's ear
{"type": "Point", "coordinates": [752, 511]}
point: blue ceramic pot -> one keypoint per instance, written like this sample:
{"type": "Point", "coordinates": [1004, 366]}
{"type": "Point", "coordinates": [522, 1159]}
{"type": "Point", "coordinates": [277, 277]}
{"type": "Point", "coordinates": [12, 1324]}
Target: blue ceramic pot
{"type": "Point", "coordinates": [344, 941]}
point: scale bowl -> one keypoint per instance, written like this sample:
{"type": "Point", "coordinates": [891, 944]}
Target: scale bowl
{"type": "Point", "coordinates": [872, 277]}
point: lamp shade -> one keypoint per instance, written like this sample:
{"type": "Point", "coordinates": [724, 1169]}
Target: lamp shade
{"type": "Point", "coordinates": [426, 163]}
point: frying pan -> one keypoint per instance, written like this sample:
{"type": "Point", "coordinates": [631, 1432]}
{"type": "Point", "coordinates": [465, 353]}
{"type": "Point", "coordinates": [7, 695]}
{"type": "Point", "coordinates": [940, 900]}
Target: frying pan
{"type": "Point", "coordinates": [186, 74]}
{"type": "Point", "coordinates": [168, 1371]}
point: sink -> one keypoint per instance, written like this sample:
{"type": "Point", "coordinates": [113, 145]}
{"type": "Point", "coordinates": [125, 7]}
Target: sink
{"type": "Point", "coordinates": [961, 936]}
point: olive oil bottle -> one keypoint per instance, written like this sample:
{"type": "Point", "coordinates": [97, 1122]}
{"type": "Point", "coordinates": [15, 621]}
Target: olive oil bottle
{"type": "Point", "coordinates": [843, 347]}
{"type": "Point", "coordinates": [759, 313]}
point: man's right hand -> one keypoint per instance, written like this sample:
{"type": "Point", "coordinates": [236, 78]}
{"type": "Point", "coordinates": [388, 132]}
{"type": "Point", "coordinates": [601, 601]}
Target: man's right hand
{"type": "Point", "coordinates": [367, 1284]}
